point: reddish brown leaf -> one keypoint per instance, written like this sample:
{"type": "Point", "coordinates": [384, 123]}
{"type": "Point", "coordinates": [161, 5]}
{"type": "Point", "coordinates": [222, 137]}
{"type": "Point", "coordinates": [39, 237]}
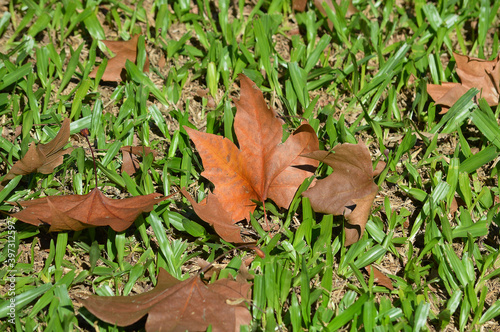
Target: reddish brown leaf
{"type": "Point", "coordinates": [208, 269]}
{"type": "Point", "coordinates": [473, 73]}
{"type": "Point", "coordinates": [379, 277]}
{"type": "Point", "coordinates": [42, 158]}
{"type": "Point", "coordinates": [299, 5]}
{"type": "Point", "coordinates": [175, 305]}
{"type": "Point", "coordinates": [131, 162]}
{"type": "Point", "coordinates": [262, 167]}
{"type": "Point", "coordinates": [124, 50]}
{"type": "Point", "coordinates": [76, 212]}
{"type": "Point", "coordinates": [162, 62]}
{"type": "Point", "coordinates": [211, 211]}
{"type": "Point", "coordinates": [379, 168]}
{"type": "Point", "coordinates": [453, 206]}
{"type": "Point", "coordinates": [349, 190]}
{"type": "Point", "coordinates": [258, 251]}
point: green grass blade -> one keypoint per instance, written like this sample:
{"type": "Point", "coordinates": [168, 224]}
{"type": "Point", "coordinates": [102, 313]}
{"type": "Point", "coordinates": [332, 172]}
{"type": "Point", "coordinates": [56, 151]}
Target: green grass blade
{"type": "Point", "coordinates": [348, 315]}
{"type": "Point", "coordinates": [23, 299]}
{"type": "Point", "coordinates": [486, 124]}
{"type": "Point", "coordinates": [459, 110]}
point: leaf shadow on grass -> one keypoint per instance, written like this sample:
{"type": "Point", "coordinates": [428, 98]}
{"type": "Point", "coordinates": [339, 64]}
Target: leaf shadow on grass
{"type": "Point", "coordinates": [84, 316]}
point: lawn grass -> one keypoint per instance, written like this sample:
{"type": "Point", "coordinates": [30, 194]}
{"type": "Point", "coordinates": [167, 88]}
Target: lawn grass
{"type": "Point", "coordinates": [434, 226]}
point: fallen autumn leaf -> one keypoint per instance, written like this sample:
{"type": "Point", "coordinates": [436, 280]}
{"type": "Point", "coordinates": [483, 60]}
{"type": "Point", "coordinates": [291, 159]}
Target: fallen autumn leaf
{"type": "Point", "coordinates": [262, 167]}
{"type": "Point", "coordinates": [175, 305]}
{"type": "Point", "coordinates": [42, 158]}
{"type": "Point", "coordinates": [131, 163]}
{"type": "Point", "coordinates": [211, 211]}
{"type": "Point", "coordinates": [76, 212]}
{"type": "Point", "coordinates": [379, 277]}
{"type": "Point", "coordinates": [124, 50]}
{"type": "Point", "coordinates": [349, 190]}
{"type": "Point", "coordinates": [473, 73]}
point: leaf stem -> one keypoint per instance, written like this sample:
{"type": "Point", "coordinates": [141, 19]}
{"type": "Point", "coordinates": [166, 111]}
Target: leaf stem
{"type": "Point", "coordinates": [268, 228]}
{"type": "Point", "coordinates": [85, 133]}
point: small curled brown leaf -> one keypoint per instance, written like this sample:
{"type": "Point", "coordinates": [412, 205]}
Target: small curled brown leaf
{"type": "Point", "coordinates": [379, 277]}
{"type": "Point", "coordinates": [124, 50]}
{"type": "Point", "coordinates": [42, 158]}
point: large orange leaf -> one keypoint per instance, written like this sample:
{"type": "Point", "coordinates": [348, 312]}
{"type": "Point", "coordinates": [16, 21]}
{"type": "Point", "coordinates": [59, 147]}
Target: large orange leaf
{"type": "Point", "coordinates": [175, 305]}
{"type": "Point", "coordinates": [43, 158]}
{"type": "Point", "coordinates": [473, 73]}
{"type": "Point", "coordinates": [349, 190]}
{"type": "Point", "coordinates": [76, 212]}
{"type": "Point", "coordinates": [262, 167]}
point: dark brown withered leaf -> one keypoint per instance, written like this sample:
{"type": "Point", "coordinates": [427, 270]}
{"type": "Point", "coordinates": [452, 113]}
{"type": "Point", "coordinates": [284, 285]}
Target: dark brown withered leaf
{"type": "Point", "coordinates": [42, 158]}
{"type": "Point", "coordinates": [76, 212]}
{"type": "Point", "coordinates": [174, 305]}
{"type": "Point", "coordinates": [349, 190]}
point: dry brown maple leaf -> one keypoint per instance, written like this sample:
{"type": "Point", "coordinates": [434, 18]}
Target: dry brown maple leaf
{"type": "Point", "coordinates": [76, 212]}
{"type": "Point", "coordinates": [42, 158]}
{"type": "Point", "coordinates": [379, 277]}
{"type": "Point", "coordinates": [262, 167]}
{"type": "Point", "coordinates": [175, 305]}
{"type": "Point", "coordinates": [473, 73]}
{"type": "Point", "coordinates": [131, 163]}
{"type": "Point", "coordinates": [349, 190]}
{"type": "Point", "coordinates": [124, 50]}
